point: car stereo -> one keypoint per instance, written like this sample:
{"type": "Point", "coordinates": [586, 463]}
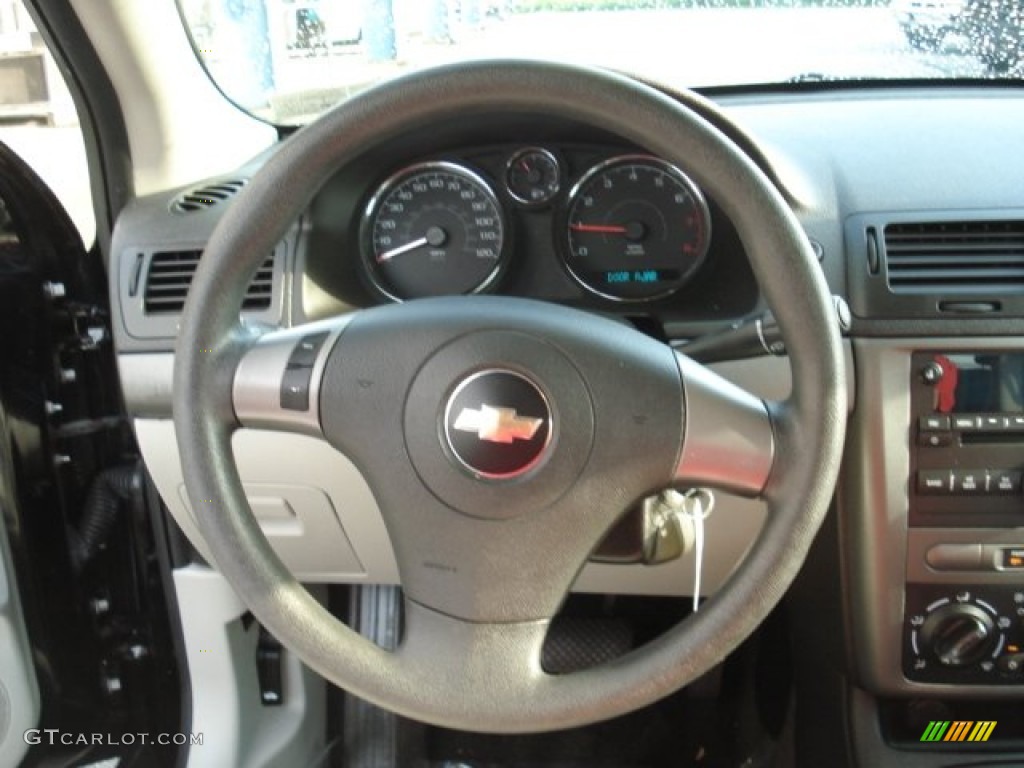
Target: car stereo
{"type": "Point", "coordinates": [968, 435]}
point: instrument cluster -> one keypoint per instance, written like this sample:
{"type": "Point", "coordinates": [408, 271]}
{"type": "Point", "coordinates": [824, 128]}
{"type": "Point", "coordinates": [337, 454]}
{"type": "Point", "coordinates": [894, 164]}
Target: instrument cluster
{"type": "Point", "coordinates": [625, 227]}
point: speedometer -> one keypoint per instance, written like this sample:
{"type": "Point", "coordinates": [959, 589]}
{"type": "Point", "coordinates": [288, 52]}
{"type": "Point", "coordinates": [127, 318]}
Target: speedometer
{"type": "Point", "coordinates": [637, 229]}
{"type": "Point", "coordinates": [433, 229]}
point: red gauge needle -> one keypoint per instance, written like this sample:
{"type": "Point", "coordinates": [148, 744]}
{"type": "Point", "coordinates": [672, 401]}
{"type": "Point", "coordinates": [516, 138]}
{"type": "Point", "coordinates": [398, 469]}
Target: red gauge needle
{"type": "Point", "coordinates": [609, 229]}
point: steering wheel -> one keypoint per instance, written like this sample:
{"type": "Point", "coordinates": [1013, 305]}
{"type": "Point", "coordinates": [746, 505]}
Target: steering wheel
{"type": "Point", "coordinates": [503, 437]}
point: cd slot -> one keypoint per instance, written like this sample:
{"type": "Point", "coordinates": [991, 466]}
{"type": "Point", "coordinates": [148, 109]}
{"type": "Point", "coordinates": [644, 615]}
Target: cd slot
{"type": "Point", "coordinates": [991, 438]}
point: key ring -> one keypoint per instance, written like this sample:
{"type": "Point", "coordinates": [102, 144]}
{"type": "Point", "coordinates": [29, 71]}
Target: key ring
{"type": "Point", "coordinates": [705, 501]}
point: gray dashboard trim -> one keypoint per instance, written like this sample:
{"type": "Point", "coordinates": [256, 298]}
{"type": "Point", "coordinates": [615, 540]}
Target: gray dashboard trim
{"type": "Point", "coordinates": [146, 380]}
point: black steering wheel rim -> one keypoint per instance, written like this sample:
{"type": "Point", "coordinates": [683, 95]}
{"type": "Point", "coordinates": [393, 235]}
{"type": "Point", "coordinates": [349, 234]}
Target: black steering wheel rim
{"type": "Point", "coordinates": [465, 690]}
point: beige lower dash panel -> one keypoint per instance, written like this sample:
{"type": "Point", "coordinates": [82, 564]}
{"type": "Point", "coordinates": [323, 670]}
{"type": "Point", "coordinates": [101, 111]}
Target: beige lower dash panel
{"type": "Point", "coordinates": [301, 525]}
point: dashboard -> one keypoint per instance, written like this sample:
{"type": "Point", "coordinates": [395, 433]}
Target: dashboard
{"type": "Point", "coordinates": [920, 230]}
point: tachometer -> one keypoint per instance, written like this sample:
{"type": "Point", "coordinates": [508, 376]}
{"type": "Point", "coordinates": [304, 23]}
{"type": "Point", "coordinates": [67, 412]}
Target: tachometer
{"type": "Point", "coordinates": [433, 229]}
{"type": "Point", "coordinates": [637, 229]}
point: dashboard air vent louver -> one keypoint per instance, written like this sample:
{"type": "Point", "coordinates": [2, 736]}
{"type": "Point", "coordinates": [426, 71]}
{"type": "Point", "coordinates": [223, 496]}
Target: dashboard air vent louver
{"type": "Point", "coordinates": [170, 275]}
{"type": "Point", "coordinates": [207, 196]}
{"type": "Point", "coordinates": [955, 257]}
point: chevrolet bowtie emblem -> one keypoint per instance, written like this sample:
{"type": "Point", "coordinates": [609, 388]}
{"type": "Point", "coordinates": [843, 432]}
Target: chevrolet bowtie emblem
{"type": "Point", "coordinates": [497, 425]}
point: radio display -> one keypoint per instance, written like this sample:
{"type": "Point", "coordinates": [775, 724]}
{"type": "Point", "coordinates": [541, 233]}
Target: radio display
{"type": "Point", "coordinates": [980, 383]}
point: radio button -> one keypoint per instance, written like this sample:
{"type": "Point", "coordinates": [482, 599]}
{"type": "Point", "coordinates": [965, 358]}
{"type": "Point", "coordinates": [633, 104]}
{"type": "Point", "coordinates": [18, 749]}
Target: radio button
{"type": "Point", "coordinates": [993, 423]}
{"type": "Point", "coordinates": [934, 424]}
{"type": "Point", "coordinates": [934, 481]}
{"type": "Point", "coordinates": [965, 423]}
{"type": "Point", "coordinates": [935, 439]}
{"type": "Point", "coordinates": [969, 481]}
{"type": "Point", "coordinates": [1004, 481]}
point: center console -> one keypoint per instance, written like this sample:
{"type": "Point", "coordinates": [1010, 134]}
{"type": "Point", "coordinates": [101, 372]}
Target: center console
{"type": "Point", "coordinates": [932, 513]}
{"type": "Point", "coordinates": [966, 460]}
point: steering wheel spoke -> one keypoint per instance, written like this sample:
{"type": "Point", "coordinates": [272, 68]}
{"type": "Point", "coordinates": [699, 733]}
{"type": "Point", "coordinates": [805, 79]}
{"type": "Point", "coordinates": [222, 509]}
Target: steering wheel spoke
{"type": "Point", "coordinates": [437, 650]}
{"type": "Point", "coordinates": [729, 441]}
{"type": "Point", "coordinates": [491, 571]}
{"type": "Point", "coordinates": [278, 380]}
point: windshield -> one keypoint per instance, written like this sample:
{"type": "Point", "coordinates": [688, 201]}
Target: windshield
{"type": "Point", "coordinates": [288, 60]}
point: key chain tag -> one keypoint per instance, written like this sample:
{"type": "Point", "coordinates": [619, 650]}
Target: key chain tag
{"type": "Point", "coordinates": [697, 504]}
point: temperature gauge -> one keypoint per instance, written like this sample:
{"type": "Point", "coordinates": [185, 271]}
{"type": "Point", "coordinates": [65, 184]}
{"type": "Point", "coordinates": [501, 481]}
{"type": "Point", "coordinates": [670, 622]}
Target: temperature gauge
{"type": "Point", "coordinates": [533, 176]}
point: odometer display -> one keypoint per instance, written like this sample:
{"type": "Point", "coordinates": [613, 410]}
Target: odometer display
{"type": "Point", "coordinates": [637, 229]}
{"type": "Point", "coordinates": [433, 229]}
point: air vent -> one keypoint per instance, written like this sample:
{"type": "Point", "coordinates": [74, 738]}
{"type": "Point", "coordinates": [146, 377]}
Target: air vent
{"type": "Point", "coordinates": [980, 257]}
{"type": "Point", "coordinates": [207, 196]}
{"type": "Point", "coordinates": [170, 275]}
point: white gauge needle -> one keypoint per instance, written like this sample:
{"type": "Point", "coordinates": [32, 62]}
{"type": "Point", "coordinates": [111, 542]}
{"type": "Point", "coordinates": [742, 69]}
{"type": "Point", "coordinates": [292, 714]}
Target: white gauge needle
{"type": "Point", "coordinates": [435, 237]}
{"type": "Point", "coordinates": [411, 246]}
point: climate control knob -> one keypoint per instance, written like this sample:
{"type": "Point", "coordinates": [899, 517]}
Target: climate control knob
{"type": "Point", "coordinates": [959, 635]}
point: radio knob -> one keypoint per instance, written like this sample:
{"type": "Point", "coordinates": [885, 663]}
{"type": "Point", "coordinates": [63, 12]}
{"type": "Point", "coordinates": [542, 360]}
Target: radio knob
{"type": "Point", "coordinates": [958, 635]}
{"type": "Point", "coordinates": [932, 373]}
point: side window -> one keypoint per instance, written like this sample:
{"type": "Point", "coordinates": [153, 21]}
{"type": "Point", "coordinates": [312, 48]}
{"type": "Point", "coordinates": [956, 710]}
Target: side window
{"type": "Point", "coordinates": [37, 116]}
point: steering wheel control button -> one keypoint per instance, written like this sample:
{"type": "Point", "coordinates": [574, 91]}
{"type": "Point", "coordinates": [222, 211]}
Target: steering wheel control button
{"type": "Point", "coordinates": [497, 424]}
{"type": "Point", "coordinates": [295, 389]}
{"type": "Point", "coordinates": [305, 352]}
{"type": "Point", "coordinates": [298, 373]}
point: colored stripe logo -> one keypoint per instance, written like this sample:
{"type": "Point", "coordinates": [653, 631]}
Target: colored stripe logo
{"type": "Point", "coordinates": [958, 730]}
